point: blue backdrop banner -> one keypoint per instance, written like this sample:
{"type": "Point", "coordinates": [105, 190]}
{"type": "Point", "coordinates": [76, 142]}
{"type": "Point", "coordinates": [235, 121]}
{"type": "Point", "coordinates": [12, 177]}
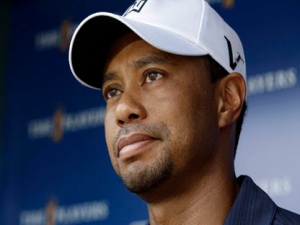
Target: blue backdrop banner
{"type": "Point", "coordinates": [56, 166]}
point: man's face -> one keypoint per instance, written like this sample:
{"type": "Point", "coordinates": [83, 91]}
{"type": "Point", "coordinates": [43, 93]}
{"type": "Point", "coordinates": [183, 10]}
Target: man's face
{"type": "Point", "coordinates": [161, 121]}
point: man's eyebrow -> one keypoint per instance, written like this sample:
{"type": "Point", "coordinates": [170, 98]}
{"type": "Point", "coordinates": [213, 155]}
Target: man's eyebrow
{"type": "Point", "coordinates": [109, 76]}
{"type": "Point", "coordinates": [139, 63]}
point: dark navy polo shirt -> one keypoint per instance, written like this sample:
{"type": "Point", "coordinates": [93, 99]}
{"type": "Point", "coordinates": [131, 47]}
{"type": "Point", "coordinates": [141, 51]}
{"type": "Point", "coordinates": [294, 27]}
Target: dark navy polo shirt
{"type": "Point", "coordinates": [254, 207]}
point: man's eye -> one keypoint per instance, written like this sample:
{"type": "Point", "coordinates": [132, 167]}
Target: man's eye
{"type": "Point", "coordinates": [153, 76]}
{"type": "Point", "coordinates": [111, 92]}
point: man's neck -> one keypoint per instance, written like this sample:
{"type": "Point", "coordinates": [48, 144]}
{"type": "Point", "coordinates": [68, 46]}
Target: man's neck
{"type": "Point", "coordinates": [205, 201]}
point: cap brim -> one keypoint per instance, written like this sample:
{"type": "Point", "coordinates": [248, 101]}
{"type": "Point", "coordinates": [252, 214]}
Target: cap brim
{"type": "Point", "coordinates": [94, 36]}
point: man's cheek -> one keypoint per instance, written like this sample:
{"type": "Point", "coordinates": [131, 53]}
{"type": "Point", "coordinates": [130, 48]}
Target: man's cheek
{"type": "Point", "coordinates": [114, 163]}
{"type": "Point", "coordinates": [110, 132]}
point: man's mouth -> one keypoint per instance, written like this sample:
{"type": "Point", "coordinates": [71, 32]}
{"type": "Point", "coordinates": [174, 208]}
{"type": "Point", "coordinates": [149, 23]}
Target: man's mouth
{"type": "Point", "coordinates": [133, 144]}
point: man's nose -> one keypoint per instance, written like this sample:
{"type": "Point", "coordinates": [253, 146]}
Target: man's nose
{"type": "Point", "coordinates": [129, 109]}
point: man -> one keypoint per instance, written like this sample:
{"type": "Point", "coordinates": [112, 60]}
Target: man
{"type": "Point", "coordinates": [173, 76]}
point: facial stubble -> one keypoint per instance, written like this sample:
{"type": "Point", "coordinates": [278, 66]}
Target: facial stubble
{"type": "Point", "coordinates": [139, 178]}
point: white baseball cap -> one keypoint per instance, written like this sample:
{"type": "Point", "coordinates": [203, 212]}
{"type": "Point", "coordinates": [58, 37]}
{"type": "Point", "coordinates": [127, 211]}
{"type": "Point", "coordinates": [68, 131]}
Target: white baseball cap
{"type": "Point", "coordinates": [182, 27]}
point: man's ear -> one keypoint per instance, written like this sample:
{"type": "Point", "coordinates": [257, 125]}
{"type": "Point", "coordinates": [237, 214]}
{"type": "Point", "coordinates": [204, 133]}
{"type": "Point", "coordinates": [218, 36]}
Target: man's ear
{"type": "Point", "coordinates": [230, 94]}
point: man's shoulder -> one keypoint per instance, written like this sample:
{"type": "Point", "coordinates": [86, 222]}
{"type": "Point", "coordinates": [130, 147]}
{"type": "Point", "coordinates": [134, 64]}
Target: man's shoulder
{"type": "Point", "coordinates": [286, 217]}
{"type": "Point", "coordinates": [254, 206]}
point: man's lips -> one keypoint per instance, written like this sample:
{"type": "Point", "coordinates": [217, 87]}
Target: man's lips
{"type": "Point", "coordinates": [133, 143]}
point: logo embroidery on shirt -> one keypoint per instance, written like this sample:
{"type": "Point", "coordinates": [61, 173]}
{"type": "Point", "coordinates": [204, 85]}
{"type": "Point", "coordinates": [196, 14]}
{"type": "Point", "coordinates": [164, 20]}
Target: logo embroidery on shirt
{"type": "Point", "coordinates": [135, 7]}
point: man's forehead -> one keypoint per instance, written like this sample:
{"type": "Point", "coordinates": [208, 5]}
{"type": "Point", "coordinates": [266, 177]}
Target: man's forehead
{"type": "Point", "coordinates": [123, 41]}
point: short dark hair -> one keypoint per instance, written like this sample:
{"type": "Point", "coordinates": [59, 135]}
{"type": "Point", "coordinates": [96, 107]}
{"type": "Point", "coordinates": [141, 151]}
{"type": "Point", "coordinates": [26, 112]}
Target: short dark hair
{"type": "Point", "coordinates": [217, 72]}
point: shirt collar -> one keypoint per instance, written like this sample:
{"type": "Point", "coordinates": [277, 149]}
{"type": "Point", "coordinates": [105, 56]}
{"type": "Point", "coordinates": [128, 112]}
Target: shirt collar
{"type": "Point", "coordinates": [252, 205]}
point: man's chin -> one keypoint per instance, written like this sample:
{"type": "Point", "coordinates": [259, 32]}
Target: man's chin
{"type": "Point", "coordinates": [142, 181]}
